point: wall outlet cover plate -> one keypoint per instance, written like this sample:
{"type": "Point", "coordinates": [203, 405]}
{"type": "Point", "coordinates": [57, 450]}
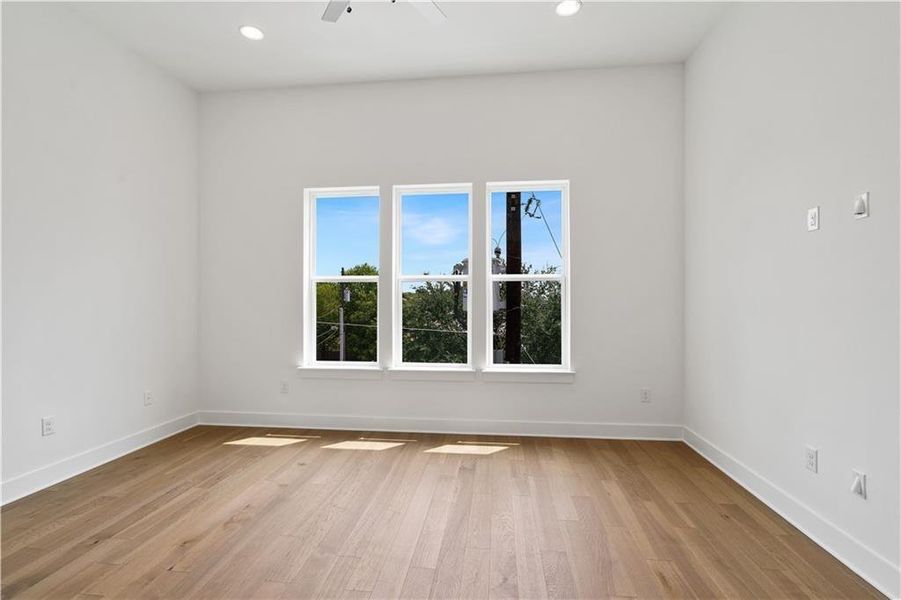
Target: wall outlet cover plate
{"type": "Point", "coordinates": [813, 218]}
{"type": "Point", "coordinates": [862, 205]}
{"type": "Point", "coordinates": [811, 459]}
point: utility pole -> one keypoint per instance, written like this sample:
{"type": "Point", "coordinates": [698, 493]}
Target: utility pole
{"type": "Point", "coordinates": [513, 343]}
{"type": "Point", "coordinates": [341, 319]}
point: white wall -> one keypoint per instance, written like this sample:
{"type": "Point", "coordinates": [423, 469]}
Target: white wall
{"type": "Point", "coordinates": [100, 229]}
{"type": "Point", "coordinates": [616, 134]}
{"type": "Point", "coordinates": [792, 337]}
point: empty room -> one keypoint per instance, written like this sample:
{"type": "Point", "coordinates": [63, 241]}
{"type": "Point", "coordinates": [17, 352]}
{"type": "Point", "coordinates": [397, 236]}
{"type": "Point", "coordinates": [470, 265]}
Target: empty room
{"type": "Point", "coordinates": [383, 299]}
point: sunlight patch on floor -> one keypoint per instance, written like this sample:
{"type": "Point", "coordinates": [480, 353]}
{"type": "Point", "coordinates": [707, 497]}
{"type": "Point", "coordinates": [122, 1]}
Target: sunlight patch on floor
{"type": "Point", "coordinates": [265, 441]}
{"type": "Point", "coordinates": [363, 445]}
{"type": "Point", "coordinates": [481, 443]}
{"type": "Point", "coordinates": [467, 449]}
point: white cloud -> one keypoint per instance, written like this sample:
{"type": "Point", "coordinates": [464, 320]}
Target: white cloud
{"type": "Point", "coordinates": [430, 231]}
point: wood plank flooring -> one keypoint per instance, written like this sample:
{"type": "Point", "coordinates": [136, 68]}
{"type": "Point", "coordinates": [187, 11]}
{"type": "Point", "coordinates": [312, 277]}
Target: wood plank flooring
{"type": "Point", "coordinates": [192, 517]}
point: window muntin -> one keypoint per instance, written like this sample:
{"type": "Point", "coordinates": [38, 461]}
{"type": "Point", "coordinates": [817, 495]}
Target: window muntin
{"type": "Point", "coordinates": [528, 275]}
{"type": "Point", "coordinates": [432, 250]}
{"type": "Point", "coordinates": [341, 249]}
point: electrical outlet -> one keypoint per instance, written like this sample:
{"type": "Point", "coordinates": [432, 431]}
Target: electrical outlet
{"type": "Point", "coordinates": [859, 484]}
{"type": "Point", "coordinates": [811, 459]}
{"type": "Point", "coordinates": [148, 398]}
{"type": "Point", "coordinates": [48, 426]}
{"type": "Point", "coordinates": [813, 218]}
{"type": "Point", "coordinates": [284, 388]}
{"type": "Point", "coordinates": [645, 396]}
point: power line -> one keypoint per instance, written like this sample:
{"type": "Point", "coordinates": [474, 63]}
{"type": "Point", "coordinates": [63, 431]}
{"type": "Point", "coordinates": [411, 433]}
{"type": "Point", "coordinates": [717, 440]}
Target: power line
{"type": "Point", "coordinates": [334, 332]}
{"type": "Point", "coordinates": [528, 354]}
{"type": "Point", "coordinates": [434, 330]}
{"type": "Point", "coordinates": [548, 227]}
{"type": "Point", "coordinates": [346, 324]}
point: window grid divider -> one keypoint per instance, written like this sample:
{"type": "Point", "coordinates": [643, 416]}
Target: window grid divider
{"type": "Point", "coordinates": [496, 277]}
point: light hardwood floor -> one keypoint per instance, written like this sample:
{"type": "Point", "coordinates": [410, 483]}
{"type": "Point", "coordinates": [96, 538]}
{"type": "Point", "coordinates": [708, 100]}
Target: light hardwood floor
{"type": "Point", "coordinates": [560, 518]}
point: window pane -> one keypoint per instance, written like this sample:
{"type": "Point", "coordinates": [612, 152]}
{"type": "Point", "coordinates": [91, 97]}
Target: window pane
{"type": "Point", "coordinates": [539, 248]}
{"type": "Point", "coordinates": [347, 234]}
{"type": "Point", "coordinates": [435, 234]}
{"type": "Point", "coordinates": [434, 322]}
{"type": "Point", "coordinates": [527, 322]}
{"type": "Point", "coordinates": [356, 306]}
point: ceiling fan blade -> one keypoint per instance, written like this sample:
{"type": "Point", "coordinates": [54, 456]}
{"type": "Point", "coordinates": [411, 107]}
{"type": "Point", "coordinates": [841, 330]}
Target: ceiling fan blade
{"type": "Point", "coordinates": [430, 10]}
{"type": "Point", "coordinates": [334, 10]}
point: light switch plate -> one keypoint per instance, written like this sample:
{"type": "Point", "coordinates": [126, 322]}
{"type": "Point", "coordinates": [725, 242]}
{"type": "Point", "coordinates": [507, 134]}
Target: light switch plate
{"type": "Point", "coordinates": [813, 218]}
{"type": "Point", "coordinates": [862, 205]}
{"type": "Point", "coordinates": [859, 483]}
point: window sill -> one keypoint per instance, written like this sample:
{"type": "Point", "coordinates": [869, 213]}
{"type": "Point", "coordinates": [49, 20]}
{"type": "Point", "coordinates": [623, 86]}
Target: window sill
{"type": "Point", "coordinates": [432, 373]}
{"type": "Point", "coordinates": [340, 372]}
{"type": "Point", "coordinates": [416, 373]}
{"type": "Point", "coordinates": [528, 375]}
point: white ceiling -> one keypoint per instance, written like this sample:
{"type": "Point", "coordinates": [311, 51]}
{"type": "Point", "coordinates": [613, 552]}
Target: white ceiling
{"type": "Point", "coordinates": [199, 42]}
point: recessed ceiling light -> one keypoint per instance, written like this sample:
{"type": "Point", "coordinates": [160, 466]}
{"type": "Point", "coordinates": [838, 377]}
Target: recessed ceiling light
{"type": "Point", "coordinates": [256, 34]}
{"type": "Point", "coordinates": [567, 8]}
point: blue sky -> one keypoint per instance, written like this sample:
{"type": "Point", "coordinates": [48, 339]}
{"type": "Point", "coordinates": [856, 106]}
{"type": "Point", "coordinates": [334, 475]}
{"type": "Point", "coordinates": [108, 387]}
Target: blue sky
{"type": "Point", "coordinates": [347, 233]}
{"type": "Point", "coordinates": [435, 231]}
{"type": "Point", "coordinates": [537, 244]}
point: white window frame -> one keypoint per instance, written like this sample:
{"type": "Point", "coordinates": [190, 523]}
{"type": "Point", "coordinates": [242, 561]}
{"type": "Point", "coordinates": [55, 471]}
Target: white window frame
{"type": "Point", "coordinates": [563, 278]}
{"type": "Point", "coordinates": [310, 279]}
{"type": "Point", "coordinates": [399, 278]}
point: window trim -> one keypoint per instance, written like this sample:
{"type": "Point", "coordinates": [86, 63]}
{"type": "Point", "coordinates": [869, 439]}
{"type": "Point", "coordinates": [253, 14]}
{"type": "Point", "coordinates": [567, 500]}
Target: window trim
{"type": "Point", "coordinates": [310, 279]}
{"type": "Point", "coordinates": [398, 278]}
{"type": "Point", "coordinates": [565, 278]}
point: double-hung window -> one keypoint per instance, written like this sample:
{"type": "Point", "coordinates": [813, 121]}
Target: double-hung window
{"type": "Point", "coordinates": [341, 274]}
{"type": "Point", "coordinates": [526, 296]}
{"type": "Point", "coordinates": [528, 273]}
{"type": "Point", "coordinates": [431, 296]}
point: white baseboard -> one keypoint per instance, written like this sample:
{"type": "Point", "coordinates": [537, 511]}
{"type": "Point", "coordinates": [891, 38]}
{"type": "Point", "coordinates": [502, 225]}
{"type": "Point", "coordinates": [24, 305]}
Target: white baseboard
{"type": "Point", "coordinates": [43, 477]}
{"type": "Point", "coordinates": [870, 565]}
{"type": "Point", "coordinates": [636, 431]}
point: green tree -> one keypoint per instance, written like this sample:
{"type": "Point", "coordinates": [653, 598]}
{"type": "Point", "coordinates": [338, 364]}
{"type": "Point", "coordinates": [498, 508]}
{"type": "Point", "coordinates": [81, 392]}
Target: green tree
{"type": "Point", "coordinates": [540, 329]}
{"type": "Point", "coordinates": [360, 318]}
{"type": "Point", "coordinates": [434, 321]}
{"type": "Point", "coordinates": [434, 327]}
